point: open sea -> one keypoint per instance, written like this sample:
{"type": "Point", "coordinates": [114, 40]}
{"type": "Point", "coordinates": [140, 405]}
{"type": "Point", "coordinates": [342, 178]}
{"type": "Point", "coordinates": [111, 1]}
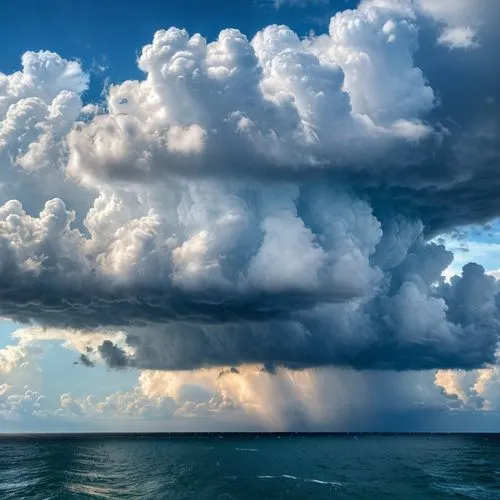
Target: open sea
{"type": "Point", "coordinates": [252, 466]}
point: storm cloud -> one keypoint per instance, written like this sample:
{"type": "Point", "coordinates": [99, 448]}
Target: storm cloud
{"type": "Point", "coordinates": [262, 201]}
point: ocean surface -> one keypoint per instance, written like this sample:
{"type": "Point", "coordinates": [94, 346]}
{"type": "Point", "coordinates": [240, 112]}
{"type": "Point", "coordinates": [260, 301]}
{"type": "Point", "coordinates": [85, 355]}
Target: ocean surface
{"type": "Point", "coordinates": [250, 467]}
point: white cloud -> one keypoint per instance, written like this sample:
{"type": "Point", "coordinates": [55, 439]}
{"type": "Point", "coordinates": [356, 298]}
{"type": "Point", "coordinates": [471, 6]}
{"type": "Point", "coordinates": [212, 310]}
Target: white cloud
{"type": "Point", "coordinates": [327, 398]}
{"type": "Point", "coordinates": [460, 37]}
{"type": "Point", "coordinates": [274, 102]}
{"type": "Point", "coordinates": [19, 364]}
{"type": "Point", "coordinates": [79, 341]}
{"type": "Point", "coordinates": [11, 357]}
{"type": "Point", "coordinates": [374, 45]}
{"type": "Point", "coordinates": [38, 107]}
{"type": "Point", "coordinates": [286, 400]}
{"type": "Point", "coordinates": [472, 390]}
{"type": "Point", "coordinates": [186, 140]}
{"type": "Point", "coordinates": [20, 403]}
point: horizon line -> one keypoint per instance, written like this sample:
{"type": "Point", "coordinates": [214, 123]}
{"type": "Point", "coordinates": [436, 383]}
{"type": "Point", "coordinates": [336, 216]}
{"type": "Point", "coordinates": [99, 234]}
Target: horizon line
{"type": "Point", "coordinates": [223, 434]}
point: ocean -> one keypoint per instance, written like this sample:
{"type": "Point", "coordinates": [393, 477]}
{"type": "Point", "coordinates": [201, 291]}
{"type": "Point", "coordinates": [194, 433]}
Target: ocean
{"type": "Point", "coordinates": [252, 466]}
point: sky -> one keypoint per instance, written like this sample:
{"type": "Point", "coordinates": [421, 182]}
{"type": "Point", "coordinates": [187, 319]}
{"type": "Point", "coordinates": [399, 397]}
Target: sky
{"type": "Point", "coordinates": [255, 215]}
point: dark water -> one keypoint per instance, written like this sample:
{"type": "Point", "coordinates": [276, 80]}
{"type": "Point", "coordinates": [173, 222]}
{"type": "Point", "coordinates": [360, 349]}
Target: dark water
{"type": "Point", "coordinates": [251, 467]}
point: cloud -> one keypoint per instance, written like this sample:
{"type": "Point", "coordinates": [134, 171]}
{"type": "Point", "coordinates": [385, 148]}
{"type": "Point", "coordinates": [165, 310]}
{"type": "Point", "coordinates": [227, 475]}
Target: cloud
{"type": "Point", "coordinates": [19, 364]}
{"type": "Point", "coordinates": [324, 398]}
{"type": "Point", "coordinates": [304, 103]}
{"type": "Point", "coordinates": [11, 357]}
{"type": "Point", "coordinates": [85, 361]}
{"type": "Point", "coordinates": [468, 247]}
{"type": "Point", "coordinates": [192, 273]}
{"type": "Point", "coordinates": [329, 398]}
{"type": "Point", "coordinates": [461, 23]}
{"type": "Point", "coordinates": [251, 397]}
{"type": "Point", "coordinates": [456, 12]}
{"type": "Point", "coordinates": [113, 355]}
{"type": "Point", "coordinates": [16, 405]}
{"type": "Point", "coordinates": [416, 325]}
{"type": "Point", "coordinates": [476, 390]}
{"type": "Point", "coordinates": [38, 107]}
{"type": "Point", "coordinates": [458, 38]}
{"type": "Point", "coordinates": [267, 201]}
{"type": "Point", "coordinates": [70, 339]}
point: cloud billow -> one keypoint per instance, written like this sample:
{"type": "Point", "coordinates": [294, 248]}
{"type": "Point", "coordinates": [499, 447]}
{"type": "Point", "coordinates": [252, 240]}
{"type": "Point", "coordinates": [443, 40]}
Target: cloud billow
{"type": "Point", "coordinates": [251, 201]}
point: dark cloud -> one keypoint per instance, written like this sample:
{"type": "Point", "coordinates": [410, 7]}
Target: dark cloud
{"type": "Point", "coordinates": [113, 355]}
{"type": "Point", "coordinates": [85, 361]}
{"type": "Point", "coordinates": [409, 327]}
{"type": "Point", "coordinates": [232, 370]}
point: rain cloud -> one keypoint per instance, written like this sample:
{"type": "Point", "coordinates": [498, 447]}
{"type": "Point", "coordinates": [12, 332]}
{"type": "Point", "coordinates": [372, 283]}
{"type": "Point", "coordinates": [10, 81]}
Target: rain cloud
{"type": "Point", "coordinates": [260, 201]}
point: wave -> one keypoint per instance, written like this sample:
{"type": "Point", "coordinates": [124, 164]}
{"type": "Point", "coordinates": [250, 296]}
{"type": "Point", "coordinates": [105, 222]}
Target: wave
{"type": "Point", "coordinates": [333, 483]}
{"type": "Point", "coordinates": [295, 478]}
{"type": "Point", "coordinates": [473, 491]}
{"type": "Point", "coordinates": [246, 449]}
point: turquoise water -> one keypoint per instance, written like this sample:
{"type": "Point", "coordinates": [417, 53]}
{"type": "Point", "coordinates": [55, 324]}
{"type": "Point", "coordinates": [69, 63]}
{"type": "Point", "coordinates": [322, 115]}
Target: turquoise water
{"type": "Point", "coordinates": [251, 467]}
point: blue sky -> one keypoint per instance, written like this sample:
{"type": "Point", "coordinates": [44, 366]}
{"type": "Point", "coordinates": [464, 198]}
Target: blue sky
{"type": "Point", "coordinates": [276, 261]}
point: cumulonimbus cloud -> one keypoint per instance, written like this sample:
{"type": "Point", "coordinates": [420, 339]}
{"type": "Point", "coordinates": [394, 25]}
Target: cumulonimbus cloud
{"type": "Point", "coordinates": [251, 201]}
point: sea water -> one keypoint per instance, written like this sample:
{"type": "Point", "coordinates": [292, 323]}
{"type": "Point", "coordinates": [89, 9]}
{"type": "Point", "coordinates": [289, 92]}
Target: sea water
{"type": "Point", "coordinates": [250, 467]}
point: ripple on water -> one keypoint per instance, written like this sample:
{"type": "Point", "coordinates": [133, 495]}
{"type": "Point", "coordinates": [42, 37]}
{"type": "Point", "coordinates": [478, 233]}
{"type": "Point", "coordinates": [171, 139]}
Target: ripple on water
{"type": "Point", "coordinates": [476, 492]}
{"type": "Point", "coordinates": [295, 478]}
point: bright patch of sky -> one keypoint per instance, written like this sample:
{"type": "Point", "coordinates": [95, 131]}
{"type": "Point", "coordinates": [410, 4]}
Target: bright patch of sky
{"type": "Point", "coordinates": [480, 244]}
{"type": "Point", "coordinates": [6, 328]}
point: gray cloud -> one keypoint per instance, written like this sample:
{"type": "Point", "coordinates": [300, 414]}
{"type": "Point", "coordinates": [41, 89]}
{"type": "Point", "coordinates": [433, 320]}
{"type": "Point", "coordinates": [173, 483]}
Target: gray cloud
{"type": "Point", "coordinates": [85, 361]}
{"type": "Point", "coordinates": [113, 355]}
{"type": "Point", "coordinates": [411, 324]}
